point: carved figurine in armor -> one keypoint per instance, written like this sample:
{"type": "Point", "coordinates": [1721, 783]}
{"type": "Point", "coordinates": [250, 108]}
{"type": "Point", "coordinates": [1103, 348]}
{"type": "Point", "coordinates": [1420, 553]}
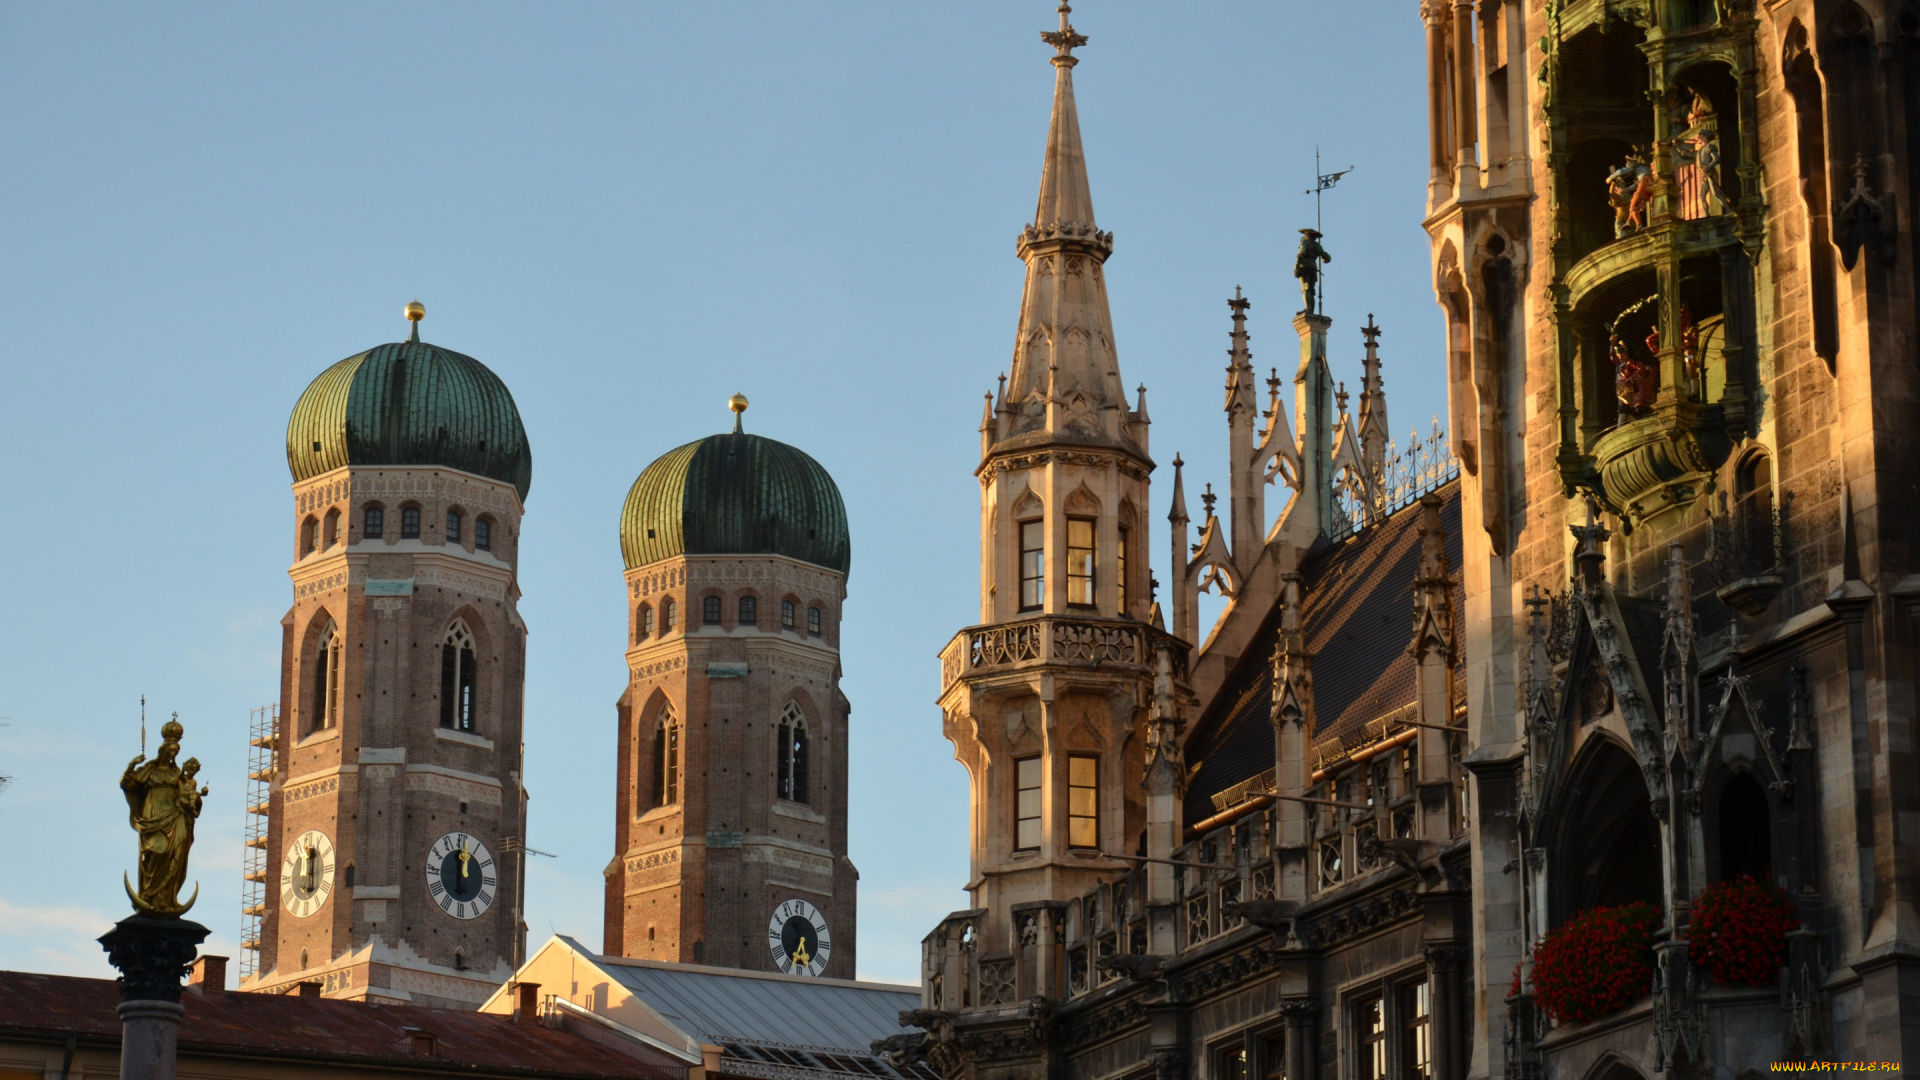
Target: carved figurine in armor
{"type": "Point", "coordinates": [1697, 175]}
{"type": "Point", "coordinates": [1306, 267]}
{"type": "Point", "coordinates": [1630, 189]}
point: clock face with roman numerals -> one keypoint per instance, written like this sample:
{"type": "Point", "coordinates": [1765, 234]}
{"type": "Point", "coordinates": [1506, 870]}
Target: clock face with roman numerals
{"type": "Point", "coordinates": [306, 875]}
{"type": "Point", "coordinates": [798, 939]}
{"type": "Point", "coordinates": [460, 875]}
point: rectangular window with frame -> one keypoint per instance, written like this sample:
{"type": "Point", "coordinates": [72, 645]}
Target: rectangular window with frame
{"type": "Point", "coordinates": [1370, 1037]}
{"type": "Point", "coordinates": [1033, 565]}
{"type": "Point", "coordinates": [1083, 802]}
{"type": "Point", "coordinates": [749, 611]}
{"type": "Point", "coordinates": [1230, 1064]}
{"type": "Point", "coordinates": [1026, 824]}
{"type": "Point", "coordinates": [1273, 1057]}
{"type": "Point", "coordinates": [1120, 568]}
{"type": "Point", "coordinates": [410, 523]}
{"type": "Point", "coordinates": [1416, 1032]}
{"type": "Point", "coordinates": [1080, 555]}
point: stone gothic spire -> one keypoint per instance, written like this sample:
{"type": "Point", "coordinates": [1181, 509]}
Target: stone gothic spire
{"type": "Point", "coordinates": [1065, 380]}
{"type": "Point", "coordinates": [1373, 405]}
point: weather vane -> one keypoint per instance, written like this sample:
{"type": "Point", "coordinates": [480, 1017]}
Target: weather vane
{"type": "Point", "coordinates": [1308, 261]}
{"type": "Point", "coordinates": [1322, 182]}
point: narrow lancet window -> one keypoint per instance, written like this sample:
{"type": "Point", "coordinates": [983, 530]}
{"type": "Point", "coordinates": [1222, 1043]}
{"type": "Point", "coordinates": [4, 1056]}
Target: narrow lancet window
{"type": "Point", "coordinates": [1033, 565]}
{"type": "Point", "coordinates": [457, 663]}
{"type": "Point", "coordinates": [792, 754]}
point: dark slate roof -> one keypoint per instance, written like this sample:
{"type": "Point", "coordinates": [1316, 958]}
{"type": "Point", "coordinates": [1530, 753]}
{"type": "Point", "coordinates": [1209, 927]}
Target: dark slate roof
{"type": "Point", "coordinates": [735, 494]}
{"type": "Point", "coordinates": [410, 403]}
{"type": "Point", "coordinates": [1356, 620]}
{"type": "Point", "coordinates": [318, 1031]}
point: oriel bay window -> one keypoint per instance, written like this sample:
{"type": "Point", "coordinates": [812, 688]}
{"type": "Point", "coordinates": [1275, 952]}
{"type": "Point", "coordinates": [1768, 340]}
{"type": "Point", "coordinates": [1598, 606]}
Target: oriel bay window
{"type": "Point", "coordinates": [1033, 565]}
{"type": "Point", "coordinates": [1080, 553]}
{"type": "Point", "coordinates": [1026, 822]}
{"type": "Point", "coordinates": [1083, 802]}
{"type": "Point", "coordinates": [457, 666]}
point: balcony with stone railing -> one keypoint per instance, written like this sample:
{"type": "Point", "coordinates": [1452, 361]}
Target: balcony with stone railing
{"type": "Point", "coordinates": [1042, 641]}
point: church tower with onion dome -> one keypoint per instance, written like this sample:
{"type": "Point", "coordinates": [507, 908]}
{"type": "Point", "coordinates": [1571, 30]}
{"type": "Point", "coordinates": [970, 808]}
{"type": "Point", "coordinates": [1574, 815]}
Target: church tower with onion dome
{"type": "Point", "coordinates": [731, 819]}
{"type": "Point", "coordinates": [396, 812]}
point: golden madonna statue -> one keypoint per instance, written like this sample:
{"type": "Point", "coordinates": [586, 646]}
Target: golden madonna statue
{"type": "Point", "coordinates": [163, 799]}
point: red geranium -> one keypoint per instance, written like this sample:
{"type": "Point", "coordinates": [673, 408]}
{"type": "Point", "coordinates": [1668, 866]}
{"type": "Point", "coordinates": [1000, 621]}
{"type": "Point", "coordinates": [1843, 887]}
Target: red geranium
{"type": "Point", "coordinates": [1597, 963]}
{"type": "Point", "coordinates": [1738, 933]}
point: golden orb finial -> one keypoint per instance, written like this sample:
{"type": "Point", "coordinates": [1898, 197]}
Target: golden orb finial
{"type": "Point", "coordinates": [416, 311]}
{"type": "Point", "coordinates": [738, 403]}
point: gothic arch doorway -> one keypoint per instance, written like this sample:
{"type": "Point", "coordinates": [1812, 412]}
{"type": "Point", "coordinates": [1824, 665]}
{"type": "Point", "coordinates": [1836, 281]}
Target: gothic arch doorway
{"type": "Point", "coordinates": [1607, 851]}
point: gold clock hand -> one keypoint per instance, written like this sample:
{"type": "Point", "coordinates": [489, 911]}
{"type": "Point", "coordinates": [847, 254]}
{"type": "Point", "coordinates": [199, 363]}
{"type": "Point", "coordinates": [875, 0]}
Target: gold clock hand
{"type": "Point", "coordinates": [464, 857]}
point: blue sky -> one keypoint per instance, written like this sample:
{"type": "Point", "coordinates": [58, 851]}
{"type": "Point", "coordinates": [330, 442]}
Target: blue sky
{"type": "Point", "coordinates": [628, 211]}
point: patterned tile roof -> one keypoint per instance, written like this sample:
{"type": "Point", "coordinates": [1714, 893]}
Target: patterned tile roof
{"type": "Point", "coordinates": [1356, 620]}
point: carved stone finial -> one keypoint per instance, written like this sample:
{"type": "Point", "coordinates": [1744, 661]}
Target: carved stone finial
{"type": "Point", "coordinates": [1065, 39]}
{"type": "Point", "coordinates": [1207, 499]}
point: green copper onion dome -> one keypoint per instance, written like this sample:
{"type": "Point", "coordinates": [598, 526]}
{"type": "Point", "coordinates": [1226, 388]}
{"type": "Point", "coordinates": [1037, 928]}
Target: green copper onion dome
{"type": "Point", "coordinates": [410, 403]}
{"type": "Point", "coordinates": [735, 494]}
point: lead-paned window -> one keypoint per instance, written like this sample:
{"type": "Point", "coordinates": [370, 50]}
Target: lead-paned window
{"type": "Point", "coordinates": [1370, 1028]}
{"type": "Point", "coordinates": [410, 523]}
{"type": "Point", "coordinates": [792, 754]}
{"type": "Point", "coordinates": [483, 534]}
{"type": "Point", "coordinates": [375, 523]}
{"type": "Point", "coordinates": [453, 526]}
{"type": "Point", "coordinates": [1033, 565]}
{"type": "Point", "coordinates": [326, 680]}
{"type": "Point", "coordinates": [1080, 556]}
{"type": "Point", "coordinates": [457, 682]}
{"type": "Point", "coordinates": [710, 611]}
{"type": "Point", "coordinates": [813, 621]}
{"type": "Point", "coordinates": [669, 615]}
{"type": "Point", "coordinates": [310, 536]}
{"type": "Point", "coordinates": [749, 611]}
{"type": "Point", "coordinates": [1027, 804]}
{"type": "Point", "coordinates": [1416, 1033]}
{"type": "Point", "coordinates": [786, 614]}
{"type": "Point", "coordinates": [666, 759]}
{"type": "Point", "coordinates": [1083, 801]}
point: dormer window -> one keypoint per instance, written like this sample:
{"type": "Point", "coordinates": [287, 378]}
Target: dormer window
{"type": "Point", "coordinates": [1033, 565]}
{"type": "Point", "coordinates": [1080, 554]}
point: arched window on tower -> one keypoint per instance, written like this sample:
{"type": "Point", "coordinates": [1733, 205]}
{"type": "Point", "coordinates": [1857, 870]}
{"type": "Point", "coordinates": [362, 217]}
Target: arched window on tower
{"type": "Point", "coordinates": [786, 613]}
{"type": "Point", "coordinates": [669, 615]}
{"type": "Point", "coordinates": [330, 531]}
{"type": "Point", "coordinates": [749, 612]}
{"type": "Point", "coordinates": [453, 526]}
{"type": "Point", "coordinates": [483, 533]}
{"type": "Point", "coordinates": [710, 611]}
{"type": "Point", "coordinates": [309, 536]}
{"type": "Point", "coordinates": [374, 523]}
{"type": "Point", "coordinates": [409, 523]}
{"type": "Point", "coordinates": [792, 754]}
{"type": "Point", "coordinates": [326, 680]}
{"type": "Point", "coordinates": [457, 664]}
{"type": "Point", "coordinates": [813, 621]}
{"type": "Point", "coordinates": [1746, 830]}
{"type": "Point", "coordinates": [643, 623]}
{"type": "Point", "coordinates": [666, 759]}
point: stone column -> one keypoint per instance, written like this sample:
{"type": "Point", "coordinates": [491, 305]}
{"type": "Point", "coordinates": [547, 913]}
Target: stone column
{"type": "Point", "coordinates": [1465, 101]}
{"type": "Point", "coordinates": [153, 955]}
{"type": "Point", "coordinates": [1445, 1020]}
{"type": "Point", "coordinates": [1302, 1035]}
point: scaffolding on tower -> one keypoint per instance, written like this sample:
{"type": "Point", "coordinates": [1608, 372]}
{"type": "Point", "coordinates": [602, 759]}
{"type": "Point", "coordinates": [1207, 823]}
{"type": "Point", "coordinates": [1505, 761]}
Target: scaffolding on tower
{"type": "Point", "coordinates": [263, 731]}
